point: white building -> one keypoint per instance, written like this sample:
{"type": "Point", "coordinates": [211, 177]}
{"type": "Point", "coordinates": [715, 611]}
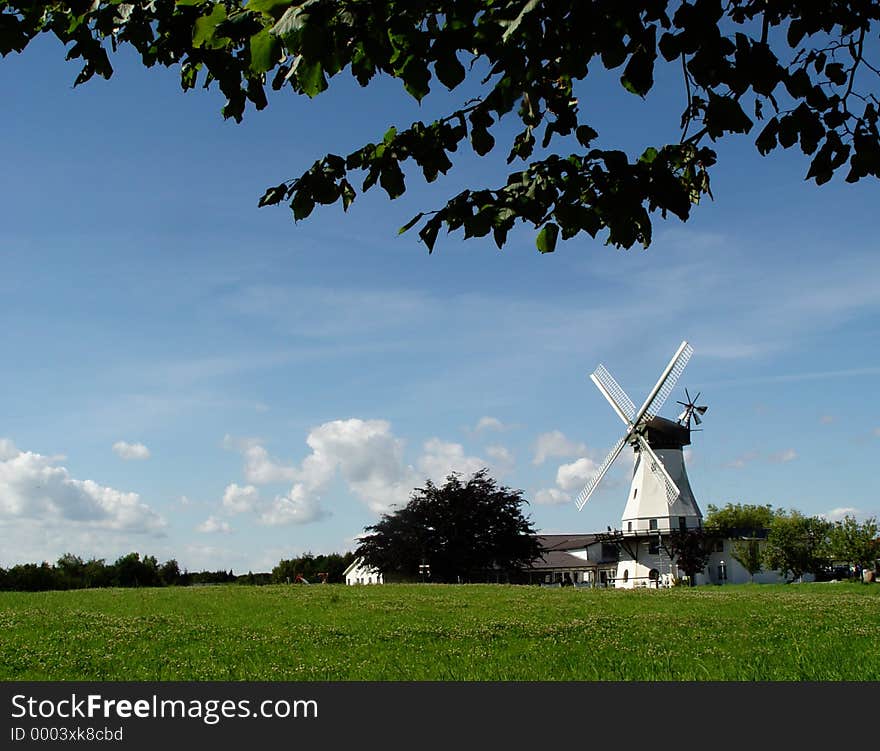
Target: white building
{"type": "Point", "coordinates": [358, 573]}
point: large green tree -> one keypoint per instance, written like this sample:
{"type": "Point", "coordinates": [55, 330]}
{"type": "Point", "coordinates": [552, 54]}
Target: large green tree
{"type": "Point", "coordinates": [462, 530]}
{"type": "Point", "coordinates": [798, 544]}
{"type": "Point", "coordinates": [855, 542]}
{"type": "Point", "coordinates": [739, 520]}
{"type": "Point", "coordinates": [803, 69]}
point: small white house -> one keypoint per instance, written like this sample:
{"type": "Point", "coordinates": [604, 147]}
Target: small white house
{"type": "Point", "coordinates": [358, 573]}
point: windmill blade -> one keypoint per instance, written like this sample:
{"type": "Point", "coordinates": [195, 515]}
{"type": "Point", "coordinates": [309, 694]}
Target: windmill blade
{"type": "Point", "coordinates": [657, 467]}
{"type": "Point", "coordinates": [696, 416]}
{"type": "Point", "coordinates": [615, 395]}
{"type": "Point", "coordinates": [585, 494]}
{"type": "Point", "coordinates": [668, 379]}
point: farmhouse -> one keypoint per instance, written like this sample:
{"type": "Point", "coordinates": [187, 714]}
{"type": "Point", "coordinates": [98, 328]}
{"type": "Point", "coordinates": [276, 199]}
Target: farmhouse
{"type": "Point", "coordinates": [358, 573]}
{"type": "Point", "coordinates": [583, 559]}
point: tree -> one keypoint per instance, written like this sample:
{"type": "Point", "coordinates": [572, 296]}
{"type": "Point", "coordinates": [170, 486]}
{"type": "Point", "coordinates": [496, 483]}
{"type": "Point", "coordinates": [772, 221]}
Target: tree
{"type": "Point", "coordinates": [748, 525]}
{"type": "Point", "coordinates": [691, 549]}
{"type": "Point", "coordinates": [739, 520]}
{"type": "Point", "coordinates": [462, 530]}
{"type": "Point", "coordinates": [855, 543]}
{"type": "Point", "coordinates": [749, 555]}
{"type": "Point", "coordinates": [797, 544]}
{"type": "Point", "coordinates": [169, 573]}
{"type": "Point", "coordinates": [803, 68]}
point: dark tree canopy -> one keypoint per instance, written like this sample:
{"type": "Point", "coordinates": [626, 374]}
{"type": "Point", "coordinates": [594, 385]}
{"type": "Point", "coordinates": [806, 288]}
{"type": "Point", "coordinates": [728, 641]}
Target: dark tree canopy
{"type": "Point", "coordinates": [804, 70]}
{"type": "Point", "coordinates": [462, 530]}
{"type": "Point", "coordinates": [691, 550]}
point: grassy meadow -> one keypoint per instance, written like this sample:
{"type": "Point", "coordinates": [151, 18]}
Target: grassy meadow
{"type": "Point", "coordinates": [805, 632]}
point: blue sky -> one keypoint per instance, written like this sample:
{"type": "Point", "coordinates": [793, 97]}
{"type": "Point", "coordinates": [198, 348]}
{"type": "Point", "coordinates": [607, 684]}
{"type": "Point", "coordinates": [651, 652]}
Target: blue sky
{"type": "Point", "coordinates": [189, 376]}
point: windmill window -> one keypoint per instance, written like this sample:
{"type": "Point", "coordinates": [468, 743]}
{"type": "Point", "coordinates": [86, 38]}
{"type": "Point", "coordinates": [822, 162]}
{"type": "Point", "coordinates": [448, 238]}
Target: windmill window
{"type": "Point", "coordinates": [682, 523]}
{"type": "Point", "coordinates": [629, 526]}
{"type": "Point", "coordinates": [625, 575]}
{"type": "Point", "coordinates": [653, 547]}
{"type": "Point", "coordinates": [635, 492]}
{"type": "Point", "coordinates": [652, 524]}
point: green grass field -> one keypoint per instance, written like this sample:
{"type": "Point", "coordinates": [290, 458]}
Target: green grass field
{"type": "Point", "coordinates": [473, 633]}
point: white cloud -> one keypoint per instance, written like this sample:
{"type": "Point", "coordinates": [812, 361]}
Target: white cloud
{"type": "Point", "coordinates": [130, 451]}
{"type": "Point", "coordinates": [827, 419]}
{"type": "Point", "coordinates": [837, 514]}
{"type": "Point", "coordinates": [782, 457]}
{"type": "Point", "coordinates": [556, 444]}
{"type": "Point", "coordinates": [502, 460]}
{"type": "Point", "coordinates": [489, 423]}
{"type": "Point", "coordinates": [575, 475]}
{"type": "Point", "coordinates": [441, 458]}
{"type": "Point", "coordinates": [33, 486]}
{"type": "Point", "coordinates": [238, 500]}
{"type": "Point", "coordinates": [297, 507]}
{"type": "Point", "coordinates": [213, 525]}
{"type": "Point", "coordinates": [551, 497]}
{"type": "Point", "coordinates": [262, 469]}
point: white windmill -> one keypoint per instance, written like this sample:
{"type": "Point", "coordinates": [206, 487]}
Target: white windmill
{"type": "Point", "coordinates": [660, 498]}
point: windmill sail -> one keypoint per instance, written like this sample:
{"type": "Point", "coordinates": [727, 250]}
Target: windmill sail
{"type": "Point", "coordinates": [585, 494]}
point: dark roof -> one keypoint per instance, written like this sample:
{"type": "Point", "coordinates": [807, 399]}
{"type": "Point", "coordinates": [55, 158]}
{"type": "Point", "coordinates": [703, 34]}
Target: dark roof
{"type": "Point", "coordinates": [566, 542]}
{"type": "Point", "coordinates": [561, 559]}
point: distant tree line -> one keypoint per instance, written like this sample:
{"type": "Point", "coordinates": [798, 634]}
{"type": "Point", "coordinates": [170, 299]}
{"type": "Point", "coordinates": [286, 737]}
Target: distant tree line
{"type": "Point", "coordinates": [312, 569]}
{"type": "Point", "coordinates": [134, 570]}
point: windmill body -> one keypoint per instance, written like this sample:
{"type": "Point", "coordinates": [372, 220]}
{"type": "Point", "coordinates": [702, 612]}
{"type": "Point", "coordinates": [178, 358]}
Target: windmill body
{"type": "Point", "coordinates": [649, 516]}
{"type": "Point", "coordinates": [660, 499]}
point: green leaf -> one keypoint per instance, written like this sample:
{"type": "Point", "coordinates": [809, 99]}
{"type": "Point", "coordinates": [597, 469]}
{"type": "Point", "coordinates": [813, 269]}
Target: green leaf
{"type": "Point", "coordinates": [649, 155]}
{"type": "Point", "coordinates": [310, 76]}
{"type": "Point", "coordinates": [273, 196]}
{"type": "Point", "coordinates": [638, 76]}
{"type": "Point", "coordinates": [264, 52]}
{"type": "Point", "coordinates": [482, 141]}
{"type": "Point", "coordinates": [428, 233]}
{"type": "Point", "coordinates": [302, 205]}
{"type": "Point", "coordinates": [585, 134]}
{"type": "Point", "coordinates": [205, 26]}
{"type": "Point", "coordinates": [546, 240]}
{"type": "Point", "coordinates": [449, 70]}
{"type": "Point", "coordinates": [262, 6]}
{"type": "Point", "coordinates": [410, 224]}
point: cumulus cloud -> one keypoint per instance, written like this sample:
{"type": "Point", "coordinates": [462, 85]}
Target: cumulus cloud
{"type": "Point", "coordinates": [839, 513]}
{"type": "Point", "coordinates": [779, 457]}
{"type": "Point", "coordinates": [575, 475]}
{"type": "Point", "coordinates": [238, 500]}
{"type": "Point", "coordinates": [501, 459]}
{"type": "Point", "coordinates": [552, 497]}
{"type": "Point", "coordinates": [555, 443]}
{"type": "Point", "coordinates": [34, 486]}
{"type": "Point", "coordinates": [441, 458]}
{"type": "Point", "coordinates": [130, 451]}
{"type": "Point", "coordinates": [262, 469]}
{"type": "Point", "coordinates": [297, 507]}
{"type": "Point", "coordinates": [213, 525]}
{"type": "Point", "coordinates": [489, 423]}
